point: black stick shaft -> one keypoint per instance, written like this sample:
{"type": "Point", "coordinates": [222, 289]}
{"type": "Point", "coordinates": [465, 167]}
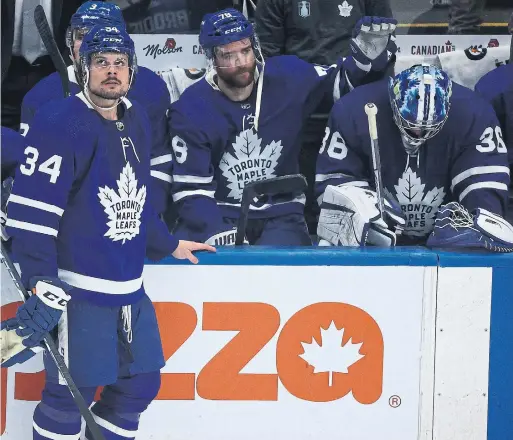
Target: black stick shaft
{"type": "Point", "coordinates": [56, 356]}
{"type": "Point", "coordinates": [51, 47]}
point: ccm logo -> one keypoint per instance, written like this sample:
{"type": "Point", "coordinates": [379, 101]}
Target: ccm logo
{"type": "Point", "coordinates": [52, 297]}
{"type": "Point", "coordinates": [237, 29]}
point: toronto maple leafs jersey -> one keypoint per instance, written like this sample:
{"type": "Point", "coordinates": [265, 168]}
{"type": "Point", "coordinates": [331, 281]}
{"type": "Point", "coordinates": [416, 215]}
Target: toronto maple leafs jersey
{"type": "Point", "coordinates": [217, 148]}
{"type": "Point", "coordinates": [465, 162]}
{"type": "Point", "coordinates": [13, 145]}
{"type": "Point", "coordinates": [149, 90]}
{"type": "Point", "coordinates": [497, 88]}
{"type": "Point", "coordinates": [79, 208]}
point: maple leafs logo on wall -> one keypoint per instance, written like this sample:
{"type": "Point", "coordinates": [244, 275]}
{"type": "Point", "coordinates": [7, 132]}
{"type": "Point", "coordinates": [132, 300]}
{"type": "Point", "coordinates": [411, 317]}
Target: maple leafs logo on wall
{"type": "Point", "coordinates": [420, 209]}
{"type": "Point", "coordinates": [249, 162]}
{"type": "Point", "coordinates": [123, 208]}
{"type": "Point", "coordinates": [331, 356]}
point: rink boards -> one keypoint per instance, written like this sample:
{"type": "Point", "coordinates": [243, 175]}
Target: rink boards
{"type": "Point", "coordinates": [319, 343]}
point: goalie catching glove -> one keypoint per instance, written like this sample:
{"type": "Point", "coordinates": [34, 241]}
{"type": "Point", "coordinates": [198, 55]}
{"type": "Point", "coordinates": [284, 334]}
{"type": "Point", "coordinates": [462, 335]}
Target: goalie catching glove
{"type": "Point", "coordinates": [350, 217]}
{"type": "Point", "coordinates": [34, 319]}
{"type": "Point", "coordinates": [455, 227]}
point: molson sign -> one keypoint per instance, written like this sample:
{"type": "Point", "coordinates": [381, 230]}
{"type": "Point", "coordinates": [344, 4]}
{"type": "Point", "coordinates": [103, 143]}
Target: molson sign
{"type": "Point", "coordinates": [296, 352]}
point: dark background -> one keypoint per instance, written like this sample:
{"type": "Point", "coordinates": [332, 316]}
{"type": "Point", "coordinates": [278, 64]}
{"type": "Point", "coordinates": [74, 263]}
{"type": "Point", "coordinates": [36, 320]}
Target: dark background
{"type": "Point", "coordinates": [184, 16]}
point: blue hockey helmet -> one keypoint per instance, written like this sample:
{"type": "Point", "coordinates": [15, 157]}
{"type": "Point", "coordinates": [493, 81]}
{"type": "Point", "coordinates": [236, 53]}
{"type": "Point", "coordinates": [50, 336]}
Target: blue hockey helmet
{"type": "Point", "coordinates": [224, 27]}
{"type": "Point", "coordinates": [105, 39]}
{"type": "Point", "coordinates": [93, 13]}
{"type": "Point", "coordinates": [421, 98]}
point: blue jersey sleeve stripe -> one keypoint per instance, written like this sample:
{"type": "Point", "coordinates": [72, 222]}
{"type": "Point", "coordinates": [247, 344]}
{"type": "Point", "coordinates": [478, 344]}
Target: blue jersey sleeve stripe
{"type": "Point", "coordinates": [17, 224]}
{"type": "Point", "coordinates": [159, 160]}
{"type": "Point", "coordinates": [476, 171]}
{"type": "Point", "coordinates": [192, 179]}
{"type": "Point", "coordinates": [14, 198]}
{"type": "Point", "coordinates": [200, 192]}
{"type": "Point", "coordinates": [483, 185]}
{"type": "Point", "coordinates": [161, 176]}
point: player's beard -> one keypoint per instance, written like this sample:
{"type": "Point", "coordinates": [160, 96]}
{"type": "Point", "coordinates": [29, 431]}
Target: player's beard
{"type": "Point", "coordinates": [105, 93]}
{"type": "Point", "coordinates": [238, 79]}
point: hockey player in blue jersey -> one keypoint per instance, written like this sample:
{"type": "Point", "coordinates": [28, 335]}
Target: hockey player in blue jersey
{"type": "Point", "coordinates": [497, 88]}
{"type": "Point", "coordinates": [13, 146]}
{"type": "Point", "coordinates": [243, 122]}
{"type": "Point", "coordinates": [149, 90]}
{"type": "Point", "coordinates": [80, 223]}
{"type": "Point", "coordinates": [439, 143]}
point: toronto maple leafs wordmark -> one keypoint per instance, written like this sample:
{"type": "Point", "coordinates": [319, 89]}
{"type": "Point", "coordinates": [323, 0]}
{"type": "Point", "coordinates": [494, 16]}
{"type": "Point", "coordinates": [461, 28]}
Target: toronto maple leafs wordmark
{"type": "Point", "coordinates": [124, 207]}
{"type": "Point", "coordinates": [249, 162]}
{"type": "Point", "coordinates": [420, 208]}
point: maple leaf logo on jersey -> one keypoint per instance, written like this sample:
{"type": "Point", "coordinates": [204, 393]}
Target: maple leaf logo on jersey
{"type": "Point", "coordinates": [124, 208]}
{"type": "Point", "coordinates": [420, 209]}
{"type": "Point", "coordinates": [345, 9]}
{"type": "Point", "coordinates": [249, 162]}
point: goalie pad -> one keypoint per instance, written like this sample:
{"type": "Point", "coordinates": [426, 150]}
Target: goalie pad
{"type": "Point", "coordinates": [455, 227]}
{"type": "Point", "coordinates": [350, 217]}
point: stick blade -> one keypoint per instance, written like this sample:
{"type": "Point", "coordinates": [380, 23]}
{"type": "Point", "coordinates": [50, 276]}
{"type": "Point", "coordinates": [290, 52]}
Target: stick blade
{"type": "Point", "coordinates": [292, 183]}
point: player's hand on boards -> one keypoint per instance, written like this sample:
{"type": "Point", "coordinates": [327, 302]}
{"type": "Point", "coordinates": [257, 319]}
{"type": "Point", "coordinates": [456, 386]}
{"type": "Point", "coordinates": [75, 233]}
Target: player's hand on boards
{"type": "Point", "coordinates": [185, 250]}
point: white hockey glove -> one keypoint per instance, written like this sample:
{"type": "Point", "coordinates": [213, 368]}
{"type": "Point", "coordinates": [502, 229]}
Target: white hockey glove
{"type": "Point", "coordinates": [350, 217]}
{"type": "Point", "coordinates": [226, 238]}
{"type": "Point", "coordinates": [372, 46]}
{"type": "Point", "coordinates": [455, 227]}
{"type": "Point", "coordinates": [12, 349]}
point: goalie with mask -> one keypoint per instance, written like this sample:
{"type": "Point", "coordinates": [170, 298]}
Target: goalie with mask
{"type": "Point", "coordinates": [442, 159]}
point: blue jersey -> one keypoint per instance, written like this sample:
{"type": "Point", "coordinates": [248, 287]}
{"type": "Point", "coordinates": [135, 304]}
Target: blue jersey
{"type": "Point", "coordinates": [497, 88]}
{"type": "Point", "coordinates": [13, 145]}
{"type": "Point", "coordinates": [78, 209]}
{"type": "Point", "coordinates": [150, 91]}
{"type": "Point", "coordinates": [465, 162]}
{"type": "Point", "coordinates": [218, 149]}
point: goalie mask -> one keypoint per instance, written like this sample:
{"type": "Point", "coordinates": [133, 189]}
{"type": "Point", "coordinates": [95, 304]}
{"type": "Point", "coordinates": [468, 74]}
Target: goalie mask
{"type": "Point", "coordinates": [420, 98]}
{"type": "Point", "coordinates": [105, 39]}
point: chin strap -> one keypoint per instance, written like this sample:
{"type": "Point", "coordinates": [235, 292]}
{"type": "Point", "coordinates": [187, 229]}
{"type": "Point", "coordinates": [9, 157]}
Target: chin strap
{"type": "Point", "coordinates": [119, 100]}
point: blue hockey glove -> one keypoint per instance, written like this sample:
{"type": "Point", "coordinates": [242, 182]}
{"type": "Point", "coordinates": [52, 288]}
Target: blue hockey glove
{"type": "Point", "coordinates": [372, 47]}
{"type": "Point", "coordinates": [12, 349]}
{"type": "Point", "coordinates": [455, 227]}
{"type": "Point", "coordinates": [42, 311]}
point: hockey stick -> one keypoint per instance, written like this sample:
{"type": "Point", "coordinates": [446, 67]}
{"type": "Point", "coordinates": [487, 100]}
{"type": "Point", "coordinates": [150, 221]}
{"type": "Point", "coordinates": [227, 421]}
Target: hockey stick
{"type": "Point", "coordinates": [294, 183]}
{"type": "Point", "coordinates": [51, 47]}
{"type": "Point", "coordinates": [371, 110]}
{"type": "Point", "coordinates": [56, 356]}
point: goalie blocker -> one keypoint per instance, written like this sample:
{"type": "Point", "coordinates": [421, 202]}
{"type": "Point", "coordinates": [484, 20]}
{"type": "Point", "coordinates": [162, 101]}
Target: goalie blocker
{"type": "Point", "coordinates": [350, 217]}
